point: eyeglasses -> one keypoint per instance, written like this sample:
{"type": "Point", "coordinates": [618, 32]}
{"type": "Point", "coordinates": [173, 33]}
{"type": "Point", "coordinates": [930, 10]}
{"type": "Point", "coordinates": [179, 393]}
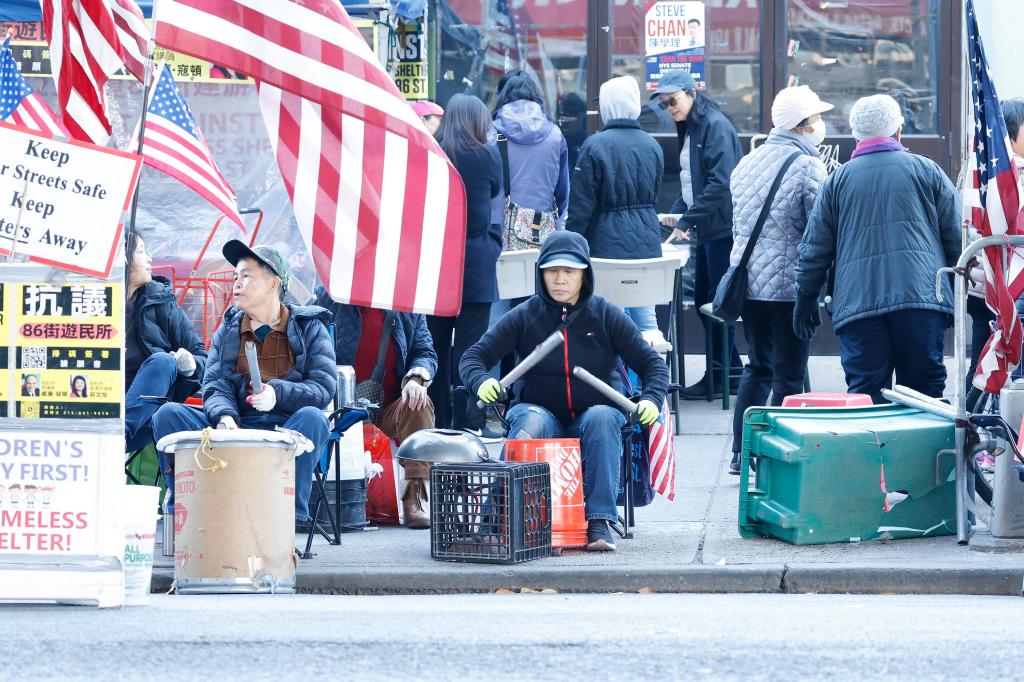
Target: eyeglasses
{"type": "Point", "coordinates": [666, 103]}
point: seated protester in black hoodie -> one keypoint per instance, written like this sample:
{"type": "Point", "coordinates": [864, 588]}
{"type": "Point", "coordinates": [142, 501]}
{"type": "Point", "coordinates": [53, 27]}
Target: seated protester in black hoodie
{"type": "Point", "coordinates": [551, 403]}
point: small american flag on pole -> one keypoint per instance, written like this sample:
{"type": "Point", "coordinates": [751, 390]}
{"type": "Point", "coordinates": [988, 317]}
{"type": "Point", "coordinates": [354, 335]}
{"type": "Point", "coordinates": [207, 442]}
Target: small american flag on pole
{"type": "Point", "coordinates": [173, 144]}
{"type": "Point", "coordinates": [663, 454]}
{"type": "Point", "coordinates": [992, 204]}
{"type": "Point", "coordinates": [90, 40]}
{"type": "Point", "coordinates": [18, 103]}
{"type": "Point", "coordinates": [380, 208]}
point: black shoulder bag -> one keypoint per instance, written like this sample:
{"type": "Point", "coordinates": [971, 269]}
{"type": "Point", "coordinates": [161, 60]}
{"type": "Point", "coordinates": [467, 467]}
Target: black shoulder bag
{"type": "Point", "coordinates": [732, 290]}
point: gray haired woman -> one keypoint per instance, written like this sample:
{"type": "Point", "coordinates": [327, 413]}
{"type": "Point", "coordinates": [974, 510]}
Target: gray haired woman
{"type": "Point", "coordinates": [777, 357]}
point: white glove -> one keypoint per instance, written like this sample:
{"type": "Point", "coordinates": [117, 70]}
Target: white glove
{"type": "Point", "coordinates": [265, 400]}
{"type": "Point", "coordinates": [227, 422]}
{"type": "Point", "coordinates": [186, 362]}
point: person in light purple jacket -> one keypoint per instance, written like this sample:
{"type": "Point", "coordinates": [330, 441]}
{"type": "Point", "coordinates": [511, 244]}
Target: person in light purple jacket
{"type": "Point", "coordinates": [538, 156]}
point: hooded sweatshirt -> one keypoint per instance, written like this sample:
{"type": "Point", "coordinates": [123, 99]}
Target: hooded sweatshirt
{"type": "Point", "coordinates": [618, 175]}
{"type": "Point", "coordinates": [538, 157]}
{"type": "Point", "coordinates": [598, 334]}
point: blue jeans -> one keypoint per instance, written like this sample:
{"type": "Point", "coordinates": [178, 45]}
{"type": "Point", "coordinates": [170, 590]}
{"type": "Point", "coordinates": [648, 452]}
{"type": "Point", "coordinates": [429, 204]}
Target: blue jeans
{"type": "Point", "coordinates": [599, 429]}
{"type": "Point", "coordinates": [907, 342]}
{"type": "Point", "coordinates": [149, 390]}
{"type": "Point", "coordinates": [309, 421]}
{"type": "Point", "coordinates": [644, 317]}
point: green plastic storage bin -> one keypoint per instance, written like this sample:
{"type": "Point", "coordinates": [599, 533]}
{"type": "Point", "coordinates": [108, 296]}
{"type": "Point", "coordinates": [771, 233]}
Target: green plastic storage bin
{"type": "Point", "coordinates": [823, 473]}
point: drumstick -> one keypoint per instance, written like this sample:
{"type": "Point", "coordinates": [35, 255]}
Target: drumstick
{"type": "Point", "coordinates": [254, 367]}
{"type": "Point", "coordinates": [538, 353]}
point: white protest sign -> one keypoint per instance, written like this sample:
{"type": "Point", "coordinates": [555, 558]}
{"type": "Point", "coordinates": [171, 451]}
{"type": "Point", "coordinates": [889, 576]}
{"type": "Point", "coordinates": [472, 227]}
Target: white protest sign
{"type": "Point", "coordinates": [48, 493]}
{"type": "Point", "coordinates": [61, 203]}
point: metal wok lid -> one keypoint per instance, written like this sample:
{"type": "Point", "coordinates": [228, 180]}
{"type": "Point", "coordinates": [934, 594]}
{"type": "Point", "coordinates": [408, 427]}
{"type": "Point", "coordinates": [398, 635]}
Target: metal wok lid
{"type": "Point", "coordinates": [443, 446]}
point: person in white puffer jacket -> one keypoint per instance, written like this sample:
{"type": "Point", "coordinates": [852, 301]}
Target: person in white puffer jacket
{"type": "Point", "coordinates": [777, 357]}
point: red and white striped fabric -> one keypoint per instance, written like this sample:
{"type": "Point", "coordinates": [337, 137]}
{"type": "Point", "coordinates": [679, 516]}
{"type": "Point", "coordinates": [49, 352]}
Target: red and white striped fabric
{"type": "Point", "coordinates": [19, 104]}
{"type": "Point", "coordinates": [992, 204]}
{"type": "Point", "coordinates": [174, 145]}
{"type": "Point", "coordinates": [340, 127]}
{"type": "Point", "coordinates": [662, 453]}
{"type": "Point", "coordinates": [87, 46]}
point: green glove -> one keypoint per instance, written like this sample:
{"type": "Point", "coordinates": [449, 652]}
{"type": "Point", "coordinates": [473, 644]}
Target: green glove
{"type": "Point", "coordinates": [489, 391]}
{"type": "Point", "coordinates": [647, 412]}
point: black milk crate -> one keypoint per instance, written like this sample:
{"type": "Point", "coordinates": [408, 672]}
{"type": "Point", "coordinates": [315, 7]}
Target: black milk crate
{"type": "Point", "coordinates": [496, 513]}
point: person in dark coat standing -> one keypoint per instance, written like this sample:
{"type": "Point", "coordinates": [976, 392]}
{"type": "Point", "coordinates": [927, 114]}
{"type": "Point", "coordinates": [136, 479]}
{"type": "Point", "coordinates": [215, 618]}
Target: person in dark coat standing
{"type": "Point", "coordinates": [885, 221]}
{"type": "Point", "coordinates": [551, 402]}
{"type": "Point", "coordinates": [463, 137]}
{"type": "Point", "coordinates": [614, 190]}
{"type": "Point", "coordinates": [709, 150]}
{"type": "Point", "coordinates": [409, 365]}
{"type": "Point", "coordinates": [164, 357]}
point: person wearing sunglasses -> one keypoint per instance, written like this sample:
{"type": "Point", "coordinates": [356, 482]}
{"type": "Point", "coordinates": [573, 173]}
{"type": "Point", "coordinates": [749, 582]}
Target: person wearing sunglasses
{"type": "Point", "coordinates": [709, 150]}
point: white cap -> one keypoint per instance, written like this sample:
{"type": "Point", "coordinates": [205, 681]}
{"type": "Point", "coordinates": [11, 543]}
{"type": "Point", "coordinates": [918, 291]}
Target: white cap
{"type": "Point", "coordinates": [793, 105]}
{"type": "Point", "coordinates": [875, 116]}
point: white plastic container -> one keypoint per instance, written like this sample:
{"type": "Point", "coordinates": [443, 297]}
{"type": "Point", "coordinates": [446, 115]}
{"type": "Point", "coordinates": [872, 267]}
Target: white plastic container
{"type": "Point", "coordinates": [141, 505]}
{"type": "Point", "coordinates": [517, 273]}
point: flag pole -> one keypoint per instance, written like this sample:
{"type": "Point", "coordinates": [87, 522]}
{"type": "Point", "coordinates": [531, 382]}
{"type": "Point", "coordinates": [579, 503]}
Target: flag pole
{"type": "Point", "coordinates": [131, 234]}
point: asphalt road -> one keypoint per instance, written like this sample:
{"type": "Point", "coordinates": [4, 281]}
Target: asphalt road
{"type": "Point", "coordinates": [519, 636]}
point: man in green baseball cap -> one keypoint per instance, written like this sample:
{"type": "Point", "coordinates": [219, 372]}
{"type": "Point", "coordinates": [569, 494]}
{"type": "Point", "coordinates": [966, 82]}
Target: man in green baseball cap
{"type": "Point", "coordinates": [298, 376]}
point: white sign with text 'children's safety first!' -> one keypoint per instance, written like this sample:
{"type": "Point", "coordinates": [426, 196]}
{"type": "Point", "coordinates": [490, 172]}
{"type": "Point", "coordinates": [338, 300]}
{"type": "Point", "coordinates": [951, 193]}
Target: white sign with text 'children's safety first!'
{"type": "Point", "coordinates": [61, 203]}
{"type": "Point", "coordinates": [48, 493]}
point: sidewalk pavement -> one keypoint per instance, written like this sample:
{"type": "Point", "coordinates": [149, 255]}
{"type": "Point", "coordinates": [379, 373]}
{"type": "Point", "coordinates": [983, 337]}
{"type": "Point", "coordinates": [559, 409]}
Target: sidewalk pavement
{"type": "Point", "coordinates": [689, 545]}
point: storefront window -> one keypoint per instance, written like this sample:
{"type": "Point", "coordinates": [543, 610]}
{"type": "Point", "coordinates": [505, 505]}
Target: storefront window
{"type": "Point", "coordinates": [730, 32]}
{"type": "Point", "coordinates": [482, 39]}
{"type": "Point", "coordinates": [854, 48]}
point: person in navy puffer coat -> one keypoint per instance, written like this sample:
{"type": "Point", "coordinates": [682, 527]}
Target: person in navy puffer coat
{"type": "Point", "coordinates": [164, 357]}
{"type": "Point", "coordinates": [886, 221]}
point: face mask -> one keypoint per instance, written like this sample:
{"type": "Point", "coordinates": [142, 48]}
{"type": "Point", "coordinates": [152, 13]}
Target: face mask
{"type": "Point", "coordinates": [817, 134]}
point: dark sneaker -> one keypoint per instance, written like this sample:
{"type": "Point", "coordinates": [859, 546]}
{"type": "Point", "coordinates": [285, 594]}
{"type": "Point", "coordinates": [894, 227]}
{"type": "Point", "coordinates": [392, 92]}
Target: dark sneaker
{"type": "Point", "coordinates": [599, 536]}
{"type": "Point", "coordinates": [487, 434]}
{"type": "Point", "coordinates": [699, 391]}
{"type": "Point", "coordinates": [302, 527]}
{"type": "Point", "coordinates": [734, 465]}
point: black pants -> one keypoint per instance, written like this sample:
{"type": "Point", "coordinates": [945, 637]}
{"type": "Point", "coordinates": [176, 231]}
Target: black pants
{"type": "Point", "coordinates": [907, 342]}
{"type": "Point", "coordinates": [777, 360]}
{"type": "Point", "coordinates": [981, 316]}
{"type": "Point", "coordinates": [459, 410]}
{"type": "Point", "coordinates": [712, 260]}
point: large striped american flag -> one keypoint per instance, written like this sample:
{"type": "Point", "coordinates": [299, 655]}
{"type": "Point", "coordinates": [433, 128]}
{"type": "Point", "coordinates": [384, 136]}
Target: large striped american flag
{"type": "Point", "coordinates": [662, 454]}
{"type": "Point", "coordinates": [18, 103]}
{"type": "Point", "coordinates": [173, 144]}
{"type": "Point", "coordinates": [992, 204]}
{"type": "Point", "coordinates": [90, 40]}
{"type": "Point", "coordinates": [379, 206]}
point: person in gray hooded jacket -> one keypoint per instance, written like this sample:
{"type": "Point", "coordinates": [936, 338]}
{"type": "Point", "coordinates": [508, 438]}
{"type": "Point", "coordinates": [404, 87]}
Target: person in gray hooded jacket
{"type": "Point", "coordinates": [777, 357]}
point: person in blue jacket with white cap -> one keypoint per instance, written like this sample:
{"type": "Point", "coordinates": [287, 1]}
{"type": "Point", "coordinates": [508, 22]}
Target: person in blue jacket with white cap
{"type": "Point", "coordinates": [549, 401]}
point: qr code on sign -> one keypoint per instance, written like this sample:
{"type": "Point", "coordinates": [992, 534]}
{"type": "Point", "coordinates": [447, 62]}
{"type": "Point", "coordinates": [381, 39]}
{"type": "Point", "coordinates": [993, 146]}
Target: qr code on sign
{"type": "Point", "coordinates": [33, 357]}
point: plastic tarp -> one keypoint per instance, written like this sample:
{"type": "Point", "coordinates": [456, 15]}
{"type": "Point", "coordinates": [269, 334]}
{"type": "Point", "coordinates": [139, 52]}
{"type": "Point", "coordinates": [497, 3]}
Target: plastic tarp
{"type": "Point", "coordinates": [28, 10]}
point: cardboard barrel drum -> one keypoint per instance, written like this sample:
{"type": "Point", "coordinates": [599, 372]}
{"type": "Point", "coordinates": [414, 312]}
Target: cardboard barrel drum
{"type": "Point", "coordinates": [568, 520]}
{"type": "Point", "coordinates": [234, 510]}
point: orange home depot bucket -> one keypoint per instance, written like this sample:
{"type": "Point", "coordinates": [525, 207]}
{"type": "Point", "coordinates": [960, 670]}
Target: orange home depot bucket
{"type": "Point", "coordinates": [568, 522]}
{"type": "Point", "coordinates": [234, 510]}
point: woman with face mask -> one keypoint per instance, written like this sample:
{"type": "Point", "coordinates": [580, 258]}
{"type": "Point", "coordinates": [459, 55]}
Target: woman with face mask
{"type": "Point", "coordinates": [777, 357]}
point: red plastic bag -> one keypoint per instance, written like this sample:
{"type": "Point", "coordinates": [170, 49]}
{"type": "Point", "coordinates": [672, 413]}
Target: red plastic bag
{"type": "Point", "coordinates": [383, 492]}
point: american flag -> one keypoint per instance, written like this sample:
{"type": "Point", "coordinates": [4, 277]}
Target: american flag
{"type": "Point", "coordinates": [174, 145]}
{"type": "Point", "coordinates": [663, 454]}
{"type": "Point", "coordinates": [18, 103]}
{"type": "Point", "coordinates": [90, 40]}
{"type": "Point", "coordinates": [340, 127]}
{"type": "Point", "coordinates": [992, 201]}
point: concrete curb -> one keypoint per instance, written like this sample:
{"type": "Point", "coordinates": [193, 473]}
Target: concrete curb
{"type": "Point", "coordinates": [765, 578]}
